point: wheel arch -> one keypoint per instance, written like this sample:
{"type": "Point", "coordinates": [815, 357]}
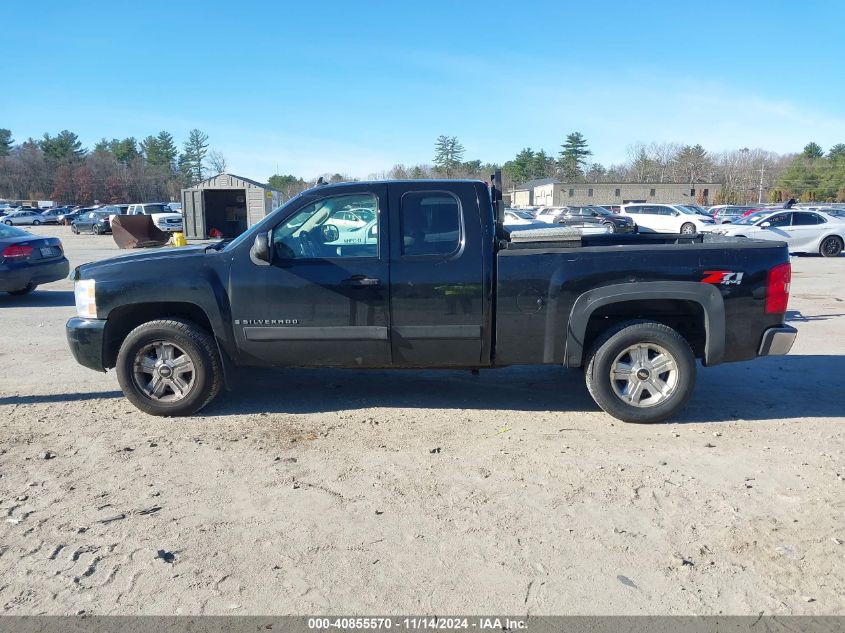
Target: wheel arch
{"type": "Point", "coordinates": [649, 300]}
{"type": "Point", "coordinates": [123, 319]}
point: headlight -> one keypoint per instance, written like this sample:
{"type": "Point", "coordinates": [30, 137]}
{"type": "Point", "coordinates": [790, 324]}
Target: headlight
{"type": "Point", "coordinates": [86, 299]}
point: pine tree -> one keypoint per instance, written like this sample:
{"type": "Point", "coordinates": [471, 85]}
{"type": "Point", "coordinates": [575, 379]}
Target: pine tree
{"type": "Point", "coordinates": [573, 156]}
{"type": "Point", "coordinates": [193, 156]}
{"type": "Point", "coordinates": [64, 146]}
{"type": "Point", "coordinates": [5, 141]}
{"type": "Point", "coordinates": [448, 154]}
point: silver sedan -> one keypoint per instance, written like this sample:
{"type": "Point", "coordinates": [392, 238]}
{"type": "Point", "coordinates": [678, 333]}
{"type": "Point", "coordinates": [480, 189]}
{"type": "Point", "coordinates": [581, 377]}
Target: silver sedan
{"type": "Point", "coordinates": [24, 216]}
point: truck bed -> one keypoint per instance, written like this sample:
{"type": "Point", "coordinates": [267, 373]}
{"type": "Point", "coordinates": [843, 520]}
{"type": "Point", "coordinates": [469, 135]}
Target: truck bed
{"type": "Point", "coordinates": [538, 284]}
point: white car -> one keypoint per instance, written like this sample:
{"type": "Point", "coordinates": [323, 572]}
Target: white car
{"type": "Point", "coordinates": [549, 215]}
{"type": "Point", "coordinates": [666, 218]}
{"type": "Point", "coordinates": [514, 217]}
{"type": "Point", "coordinates": [347, 219]}
{"type": "Point", "coordinates": [803, 231]}
{"type": "Point", "coordinates": [162, 216]}
{"type": "Point", "coordinates": [24, 216]}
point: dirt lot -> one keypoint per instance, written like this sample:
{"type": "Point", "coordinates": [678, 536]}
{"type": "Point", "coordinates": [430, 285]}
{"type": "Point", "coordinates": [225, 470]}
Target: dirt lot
{"type": "Point", "coordinates": [424, 492]}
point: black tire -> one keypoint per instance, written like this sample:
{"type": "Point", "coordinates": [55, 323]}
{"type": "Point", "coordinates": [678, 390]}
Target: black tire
{"type": "Point", "coordinates": [610, 226]}
{"type": "Point", "coordinates": [831, 246]}
{"type": "Point", "coordinates": [688, 228]}
{"type": "Point", "coordinates": [613, 344]}
{"type": "Point", "coordinates": [7, 222]}
{"type": "Point", "coordinates": [95, 230]}
{"type": "Point", "coordinates": [74, 229]}
{"type": "Point", "coordinates": [194, 342]}
{"type": "Point", "coordinates": [23, 291]}
{"type": "Point", "coordinates": [36, 223]}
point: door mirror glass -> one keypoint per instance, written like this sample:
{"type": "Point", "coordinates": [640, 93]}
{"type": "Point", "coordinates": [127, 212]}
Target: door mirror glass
{"type": "Point", "coordinates": [765, 225]}
{"type": "Point", "coordinates": [329, 233]}
{"type": "Point", "coordinates": [260, 251]}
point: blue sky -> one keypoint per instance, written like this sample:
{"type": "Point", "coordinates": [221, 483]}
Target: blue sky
{"type": "Point", "coordinates": [308, 88]}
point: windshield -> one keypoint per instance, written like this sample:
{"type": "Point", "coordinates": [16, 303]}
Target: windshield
{"type": "Point", "coordinates": [11, 231]}
{"type": "Point", "coordinates": [686, 210]}
{"type": "Point", "coordinates": [751, 219]}
{"type": "Point", "coordinates": [600, 210]}
{"type": "Point", "coordinates": [156, 208]}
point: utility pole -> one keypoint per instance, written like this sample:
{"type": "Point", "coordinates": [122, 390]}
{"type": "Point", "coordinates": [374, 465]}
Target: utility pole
{"type": "Point", "coordinates": [760, 190]}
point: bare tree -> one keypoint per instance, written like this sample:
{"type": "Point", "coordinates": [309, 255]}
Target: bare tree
{"type": "Point", "coordinates": [217, 163]}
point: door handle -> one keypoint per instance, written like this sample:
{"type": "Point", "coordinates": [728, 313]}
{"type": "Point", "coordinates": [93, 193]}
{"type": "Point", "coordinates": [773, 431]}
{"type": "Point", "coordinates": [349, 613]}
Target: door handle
{"type": "Point", "coordinates": [360, 281]}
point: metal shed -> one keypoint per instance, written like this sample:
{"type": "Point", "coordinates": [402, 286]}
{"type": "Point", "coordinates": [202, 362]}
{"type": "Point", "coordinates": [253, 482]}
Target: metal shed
{"type": "Point", "coordinates": [228, 203]}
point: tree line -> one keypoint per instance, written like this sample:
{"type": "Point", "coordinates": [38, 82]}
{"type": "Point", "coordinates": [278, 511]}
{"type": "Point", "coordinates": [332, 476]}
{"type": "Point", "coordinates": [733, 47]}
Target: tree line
{"type": "Point", "coordinates": [746, 174]}
{"type": "Point", "coordinates": [57, 167]}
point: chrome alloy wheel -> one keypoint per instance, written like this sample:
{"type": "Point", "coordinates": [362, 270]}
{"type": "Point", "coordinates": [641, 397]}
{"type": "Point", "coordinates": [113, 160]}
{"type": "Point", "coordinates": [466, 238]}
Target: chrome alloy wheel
{"type": "Point", "coordinates": [164, 372]}
{"type": "Point", "coordinates": [644, 375]}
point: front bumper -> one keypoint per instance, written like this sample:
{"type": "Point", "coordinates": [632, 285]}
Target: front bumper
{"type": "Point", "coordinates": [777, 341]}
{"type": "Point", "coordinates": [85, 337]}
{"type": "Point", "coordinates": [19, 276]}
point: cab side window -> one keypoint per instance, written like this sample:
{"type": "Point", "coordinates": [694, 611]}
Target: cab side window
{"type": "Point", "coordinates": [319, 230]}
{"type": "Point", "coordinates": [430, 223]}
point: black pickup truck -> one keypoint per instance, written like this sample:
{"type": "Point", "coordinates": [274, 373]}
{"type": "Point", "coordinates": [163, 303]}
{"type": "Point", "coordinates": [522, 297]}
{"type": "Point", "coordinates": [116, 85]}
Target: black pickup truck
{"type": "Point", "coordinates": [422, 274]}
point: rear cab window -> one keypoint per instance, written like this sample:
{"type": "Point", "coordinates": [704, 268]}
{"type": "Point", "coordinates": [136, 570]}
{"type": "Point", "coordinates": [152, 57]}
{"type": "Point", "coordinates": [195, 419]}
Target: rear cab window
{"type": "Point", "coordinates": [431, 224]}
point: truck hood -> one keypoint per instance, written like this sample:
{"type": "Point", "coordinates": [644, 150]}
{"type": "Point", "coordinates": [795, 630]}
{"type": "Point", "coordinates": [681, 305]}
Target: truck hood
{"type": "Point", "coordinates": [166, 256]}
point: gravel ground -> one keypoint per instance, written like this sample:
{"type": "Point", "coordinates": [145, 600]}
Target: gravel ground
{"type": "Point", "coordinates": [327, 491]}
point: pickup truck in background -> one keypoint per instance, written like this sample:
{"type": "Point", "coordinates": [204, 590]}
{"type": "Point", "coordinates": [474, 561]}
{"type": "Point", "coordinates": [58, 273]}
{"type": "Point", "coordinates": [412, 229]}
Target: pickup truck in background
{"type": "Point", "coordinates": [163, 216]}
{"type": "Point", "coordinates": [434, 281]}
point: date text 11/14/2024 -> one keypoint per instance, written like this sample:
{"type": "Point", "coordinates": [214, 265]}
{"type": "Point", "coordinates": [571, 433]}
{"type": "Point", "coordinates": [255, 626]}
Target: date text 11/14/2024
{"type": "Point", "coordinates": [481, 623]}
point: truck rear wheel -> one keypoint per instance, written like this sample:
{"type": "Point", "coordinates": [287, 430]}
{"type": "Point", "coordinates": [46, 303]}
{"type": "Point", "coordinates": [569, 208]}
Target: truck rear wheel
{"type": "Point", "coordinates": [169, 367]}
{"type": "Point", "coordinates": [641, 372]}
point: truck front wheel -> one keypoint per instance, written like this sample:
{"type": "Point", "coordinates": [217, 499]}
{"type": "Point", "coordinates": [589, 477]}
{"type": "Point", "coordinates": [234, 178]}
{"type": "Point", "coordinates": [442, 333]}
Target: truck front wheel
{"type": "Point", "coordinates": [169, 367]}
{"type": "Point", "coordinates": [641, 372]}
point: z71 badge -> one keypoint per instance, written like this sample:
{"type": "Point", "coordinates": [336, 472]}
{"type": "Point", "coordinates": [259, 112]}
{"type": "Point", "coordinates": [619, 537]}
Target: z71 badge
{"type": "Point", "coordinates": [722, 277]}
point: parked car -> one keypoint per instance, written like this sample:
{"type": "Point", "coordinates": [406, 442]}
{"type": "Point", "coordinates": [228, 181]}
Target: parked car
{"type": "Point", "coordinates": [24, 215]}
{"type": "Point", "coordinates": [175, 207]}
{"type": "Point", "coordinates": [96, 222]}
{"type": "Point", "coordinates": [51, 216]}
{"type": "Point", "coordinates": [803, 231]}
{"type": "Point", "coordinates": [592, 216]}
{"type": "Point", "coordinates": [68, 217]}
{"type": "Point", "coordinates": [696, 209]}
{"type": "Point", "coordinates": [665, 218]}
{"type": "Point", "coordinates": [346, 219]}
{"type": "Point", "coordinates": [28, 260]}
{"type": "Point", "coordinates": [439, 286]}
{"type": "Point", "coordinates": [727, 213]}
{"type": "Point", "coordinates": [548, 215]}
{"type": "Point", "coordinates": [162, 216]}
{"type": "Point", "coordinates": [515, 217]}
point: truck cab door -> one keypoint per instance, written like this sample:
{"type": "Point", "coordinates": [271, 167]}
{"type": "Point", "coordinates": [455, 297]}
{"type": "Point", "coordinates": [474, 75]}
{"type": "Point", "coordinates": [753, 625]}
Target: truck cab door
{"type": "Point", "coordinates": [438, 278]}
{"type": "Point", "coordinates": [323, 298]}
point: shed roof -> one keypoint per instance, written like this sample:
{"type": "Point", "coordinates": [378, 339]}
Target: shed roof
{"type": "Point", "coordinates": [210, 180]}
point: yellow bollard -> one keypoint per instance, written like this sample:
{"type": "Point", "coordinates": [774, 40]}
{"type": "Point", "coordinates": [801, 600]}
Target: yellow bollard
{"type": "Point", "coordinates": [179, 239]}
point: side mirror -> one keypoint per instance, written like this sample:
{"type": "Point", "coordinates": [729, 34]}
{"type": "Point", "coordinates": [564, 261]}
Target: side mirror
{"type": "Point", "coordinates": [765, 225]}
{"type": "Point", "coordinates": [330, 233]}
{"type": "Point", "coordinates": [676, 213]}
{"type": "Point", "coordinates": [260, 253]}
